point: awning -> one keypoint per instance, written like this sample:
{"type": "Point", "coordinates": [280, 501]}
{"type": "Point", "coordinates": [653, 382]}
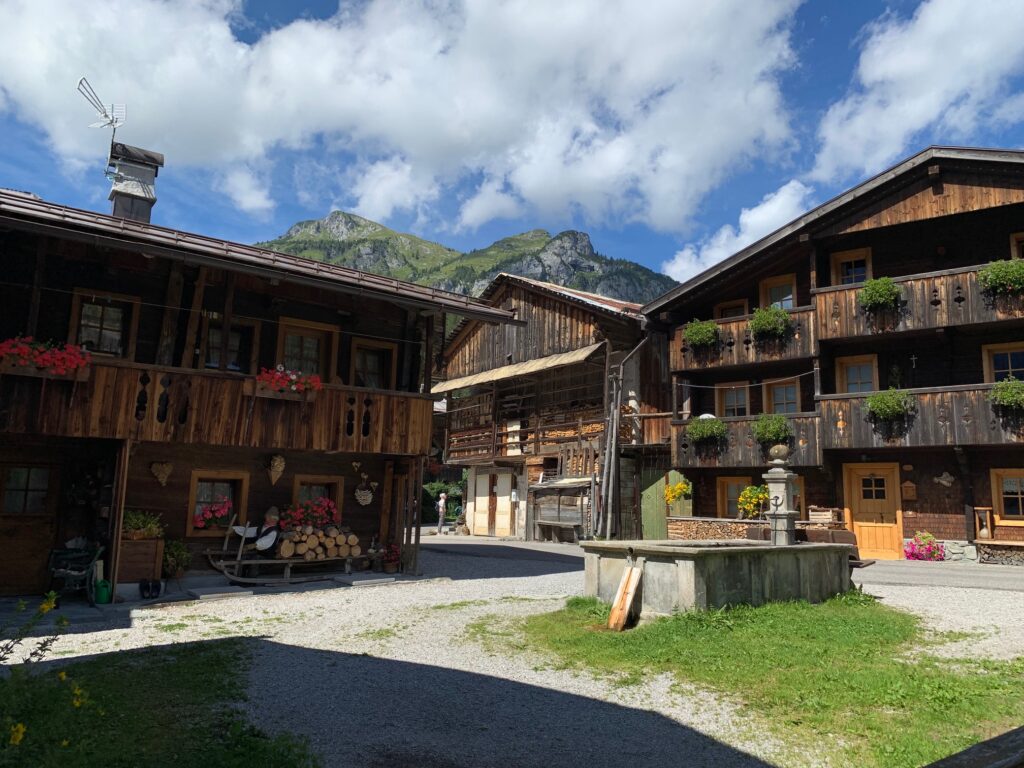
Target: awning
{"type": "Point", "coordinates": [518, 369]}
{"type": "Point", "coordinates": [562, 483]}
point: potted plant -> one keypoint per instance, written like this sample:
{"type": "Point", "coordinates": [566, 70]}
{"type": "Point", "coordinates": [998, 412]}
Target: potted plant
{"type": "Point", "coordinates": [319, 513]}
{"type": "Point", "coordinates": [1008, 394]}
{"type": "Point", "coordinates": [217, 514]}
{"type": "Point", "coordinates": [24, 356]}
{"type": "Point", "coordinates": [176, 558]}
{"type": "Point", "coordinates": [1002, 278]}
{"type": "Point", "coordinates": [770, 324]}
{"type": "Point", "coordinates": [881, 299]}
{"type": "Point", "coordinates": [753, 501]}
{"type": "Point", "coordinates": [701, 334]}
{"type": "Point", "coordinates": [142, 546]}
{"type": "Point", "coordinates": [675, 493]}
{"type": "Point", "coordinates": [391, 558]}
{"type": "Point", "coordinates": [772, 429]}
{"type": "Point", "coordinates": [924, 547]}
{"type": "Point", "coordinates": [890, 405]}
{"type": "Point", "coordinates": [283, 384]}
{"type": "Point", "coordinates": [139, 524]}
{"type": "Point", "coordinates": [707, 430]}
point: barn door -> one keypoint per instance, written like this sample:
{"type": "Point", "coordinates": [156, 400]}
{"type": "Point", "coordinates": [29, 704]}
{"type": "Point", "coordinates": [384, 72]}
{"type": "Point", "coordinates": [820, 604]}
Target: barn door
{"type": "Point", "coordinates": [872, 494]}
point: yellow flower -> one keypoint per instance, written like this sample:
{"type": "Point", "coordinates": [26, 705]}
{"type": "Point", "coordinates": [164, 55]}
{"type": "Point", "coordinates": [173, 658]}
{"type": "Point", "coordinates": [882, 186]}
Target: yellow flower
{"type": "Point", "coordinates": [65, 743]}
{"type": "Point", "coordinates": [62, 675]}
{"type": "Point", "coordinates": [76, 690]}
{"type": "Point", "coordinates": [77, 702]}
{"type": "Point", "coordinates": [17, 733]}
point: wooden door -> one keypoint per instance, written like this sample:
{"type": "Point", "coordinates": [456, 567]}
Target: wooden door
{"type": "Point", "coordinates": [872, 493]}
{"type": "Point", "coordinates": [28, 527]}
{"type": "Point", "coordinates": [492, 504]}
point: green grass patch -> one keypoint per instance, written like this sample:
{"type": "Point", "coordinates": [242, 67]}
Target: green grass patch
{"type": "Point", "coordinates": [457, 605]}
{"type": "Point", "coordinates": [842, 676]}
{"type": "Point", "coordinates": [175, 627]}
{"type": "Point", "coordinates": [162, 706]}
{"type": "Point", "coordinates": [384, 633]}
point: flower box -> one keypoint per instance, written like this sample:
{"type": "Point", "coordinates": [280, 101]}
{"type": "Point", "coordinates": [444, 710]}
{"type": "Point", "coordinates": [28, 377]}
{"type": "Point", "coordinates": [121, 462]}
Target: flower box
{"type": "Point", "coordinates": [255, 388]}
{"type": "Point", "coordinates": [12, 368]}
{"type": "Point", "coordinates": [140, 559]}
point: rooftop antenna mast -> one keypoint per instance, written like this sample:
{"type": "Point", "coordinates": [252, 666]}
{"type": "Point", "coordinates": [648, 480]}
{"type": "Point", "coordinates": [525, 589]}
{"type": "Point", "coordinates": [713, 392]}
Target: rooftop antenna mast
{"type": "Point", "coordinates": [112, 117]}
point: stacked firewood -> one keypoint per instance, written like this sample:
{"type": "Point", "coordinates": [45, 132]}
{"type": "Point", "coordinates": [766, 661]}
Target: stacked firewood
{"type": "Point", "coordinates": [312, 543]}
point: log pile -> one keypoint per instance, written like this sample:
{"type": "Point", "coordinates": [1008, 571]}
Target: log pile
{"type": "Point", "coordinates": [312, 543]}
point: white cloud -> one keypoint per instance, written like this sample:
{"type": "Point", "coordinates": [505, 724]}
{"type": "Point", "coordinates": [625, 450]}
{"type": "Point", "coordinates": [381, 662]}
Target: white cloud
{"type": "Point", "coordinates": [490, 202]}
{"type": "Point", "coordinates": [247, 190]}
{"type": "Point", "coordinates": [776, 209]}
{"type": "Point", "coordinates": [632, 113]}
{"type": "Point", "coordinates": [945, 70]}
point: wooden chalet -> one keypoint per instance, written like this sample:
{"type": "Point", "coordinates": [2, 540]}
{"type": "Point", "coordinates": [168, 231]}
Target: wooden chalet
{"type": "Point", "coordinates": [169, 416]}
{"type": "Point", "coordinates": [954, 466]}
{"type": "Point", "coordinates": [562, 421]}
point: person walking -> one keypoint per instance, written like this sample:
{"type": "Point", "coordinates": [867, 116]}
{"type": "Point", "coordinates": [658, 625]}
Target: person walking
{"type": "Point", "coordinates": [442, 509]}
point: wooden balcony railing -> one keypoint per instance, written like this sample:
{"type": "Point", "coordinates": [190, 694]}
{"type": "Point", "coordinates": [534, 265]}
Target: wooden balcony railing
{"type": "Point", "coordinates": [177, 405]}
{"type": "Point", "coordinates": [736, 345]}
{"type": "Point", "coordinates": [742, 450]}
{"type": "Point", "coordinates": [950, 416]}
{"type": "Point", "coordinates": [930, 300]}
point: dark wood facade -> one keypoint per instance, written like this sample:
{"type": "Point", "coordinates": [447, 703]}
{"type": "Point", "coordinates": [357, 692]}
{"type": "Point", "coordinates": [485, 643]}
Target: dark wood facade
{"type": "Point", "coordinates": [930, 224]}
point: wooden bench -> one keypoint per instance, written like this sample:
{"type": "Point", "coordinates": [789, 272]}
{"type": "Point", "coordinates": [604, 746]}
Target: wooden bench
{"type": "Point", "coordinates": [562, 525]}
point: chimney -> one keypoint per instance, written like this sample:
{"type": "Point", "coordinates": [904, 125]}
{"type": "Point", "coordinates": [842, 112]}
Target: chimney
{"type": "Point", "coordinates": [132, 172]}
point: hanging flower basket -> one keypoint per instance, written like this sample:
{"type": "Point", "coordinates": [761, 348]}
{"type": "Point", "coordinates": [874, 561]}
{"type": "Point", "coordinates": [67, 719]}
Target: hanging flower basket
{"type": "Point", "coordinates": [283, 384]}
{"type": "Point", "coordinates": [24, 356]}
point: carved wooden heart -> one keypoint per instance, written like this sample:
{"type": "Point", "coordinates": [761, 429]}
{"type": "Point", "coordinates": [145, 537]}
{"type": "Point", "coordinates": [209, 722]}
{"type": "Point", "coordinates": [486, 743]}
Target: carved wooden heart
{"type": "Point", "coordinates": [161, 471]}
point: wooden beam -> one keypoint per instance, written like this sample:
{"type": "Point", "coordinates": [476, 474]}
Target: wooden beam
{"type": "Point", "coordinates": [189, 352]}
{"type": "Point", "coordinates": [32, 325]}
{"type": "Point", "coordinates": [385, 501]}
{"type": "Point", "coordinates": [225, 322]}
{"type": "Point", "coordinates": [172, 308]}
{"type": "Point", "coordinates": [117, 513]}
{"type": "Point", "coordinates": [428, 356]}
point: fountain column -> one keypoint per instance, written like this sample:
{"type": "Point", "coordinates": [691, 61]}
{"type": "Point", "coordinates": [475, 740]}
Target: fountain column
{"type": "Point", "coordinates": [779, 480]}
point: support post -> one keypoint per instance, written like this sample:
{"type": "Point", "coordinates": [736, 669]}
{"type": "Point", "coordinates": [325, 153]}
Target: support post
{"type": "Point", "coordinates": [32, 326]}
{"type": "Point", "coordinates": [117, 513]}
{"type": "Point", "coordinates": [172, 306]}
{"type": "Point", "coordinates": [225, 321]}
{"type": "Point", "coordinates": [188, 354]}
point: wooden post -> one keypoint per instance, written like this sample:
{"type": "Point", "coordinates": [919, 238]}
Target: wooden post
{"type": "Point", "coordinates": [385, 501]}
{"type": "Point", "coordinates": [117, 513]}
{"type": "Point", "coordinates": [172, 307]}
{"type": "Point", "coordinates": [225, 321]}
{"type": "Point", "coordinates": [189, 352]}
{"type": "Point", "coordinates": [687, 404]}
{"type": "Point", "coordinates": [32, 325]}
{"type": "Point", "coordinates": [417, 517]}
{"type": "Point", "coordinates": [428, 356]}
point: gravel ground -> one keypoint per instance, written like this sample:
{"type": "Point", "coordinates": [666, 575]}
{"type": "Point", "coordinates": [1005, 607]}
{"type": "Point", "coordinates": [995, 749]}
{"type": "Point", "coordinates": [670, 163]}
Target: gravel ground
{"type": "Point", "coordinates": [393, 676]}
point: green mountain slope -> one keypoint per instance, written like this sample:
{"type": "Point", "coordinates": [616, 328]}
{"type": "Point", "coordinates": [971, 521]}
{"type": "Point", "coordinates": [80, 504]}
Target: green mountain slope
{"type": "Point", "coordinates": [567, 258]}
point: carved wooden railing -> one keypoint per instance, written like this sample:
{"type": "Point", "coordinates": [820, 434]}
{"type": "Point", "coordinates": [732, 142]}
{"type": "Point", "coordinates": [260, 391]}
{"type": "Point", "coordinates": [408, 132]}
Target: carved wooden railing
{"type": "Point", "coordinates": [736, 345]}
{"type": "Point", "coordinates": [960, 415]}
{"type": "Point", "coordinates": [930, 300]}
{"type": "Point", "coordinates": [150, 403]}
{"type": "Point", "coordinates": [740, 449]}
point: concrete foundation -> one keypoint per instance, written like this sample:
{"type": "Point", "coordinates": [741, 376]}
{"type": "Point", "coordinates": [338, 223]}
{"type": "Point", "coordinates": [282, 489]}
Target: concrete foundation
{"type": "Point", "coordinates": [698, 575]}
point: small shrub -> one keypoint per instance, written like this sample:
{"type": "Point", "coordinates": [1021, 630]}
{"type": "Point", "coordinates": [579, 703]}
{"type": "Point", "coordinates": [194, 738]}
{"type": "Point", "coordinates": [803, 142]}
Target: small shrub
{"type": "Point", "coordinates": [772, 429]}
{"type": "Point", "coordinates": [753, 500]}
{"type": "Point", "coordinates": [771, 323]}
{"type": "Point", "coordinates": [924, 547]}
{"type": "Point", "coordinates": [676, 491]}
{"type": "Point", "coordinates": [176, 557]}
{"type": "Point", "coordinates": [890, 405]}
{"type": "Point", "coordinates": [701, 333]}
{"type": "Point", "coordinates": [139, 524]}
{"type": "Point", "coordinates": [878, 294]}
{"type": "Point", "coordinates": [1008, 393]}
{"type": "Point", "coordinates": [1001, 278]}
{"type": "Point", "coordinates": [706, 431]}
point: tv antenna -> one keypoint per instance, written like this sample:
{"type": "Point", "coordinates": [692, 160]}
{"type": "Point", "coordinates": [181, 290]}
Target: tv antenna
{"type": "Point", "coordinates": [112, 117]}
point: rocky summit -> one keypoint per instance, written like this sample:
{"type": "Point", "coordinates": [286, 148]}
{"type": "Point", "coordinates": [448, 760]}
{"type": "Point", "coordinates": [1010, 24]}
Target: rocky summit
{"type": "Point", "coordinates": [566, 259]}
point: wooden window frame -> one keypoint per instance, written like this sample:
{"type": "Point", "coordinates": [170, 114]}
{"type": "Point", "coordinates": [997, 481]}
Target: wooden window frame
{"type": "Point", "coordinates": [771, 282]}
{"type": "Point", "coordinates": [1016, 241]}
{"type": "Point", "coordinates": [133, 322]}
{"type": "Point", "coordinates": [987, 350]}
{"type": "Point", "coordinates": [854, 254]}
{"type": "Point", "coordinates": [996, 475]}
{"type": "Point", "coordinates": [721, 389]}
{"type": "Point", "coordinates": [800, 488]}
{"type": "Point", "coordinates": [365, 343]}
{"type": "Point", "coordinates": [722, 305]}
{"type": "Point", "coordinates": [52, 489]}
{"type": "Point", "coordinates": [721, 493]}
{"type": "Point", "coordinates": [240, 505]}
{"type": "Point", "coordinates": [842, 362]}
{"type": "Point", "coordinates": [768, 405]}
{"type": "Point", "coordinates": [328, 357]}
{"type": "Point", "coordinates": [254, 355]}
{"type": "Point", "coordinates": [336, 480]}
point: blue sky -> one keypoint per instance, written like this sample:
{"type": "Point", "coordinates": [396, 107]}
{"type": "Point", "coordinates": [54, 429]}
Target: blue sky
{"type": "Point", "coordinates": [673, 131]}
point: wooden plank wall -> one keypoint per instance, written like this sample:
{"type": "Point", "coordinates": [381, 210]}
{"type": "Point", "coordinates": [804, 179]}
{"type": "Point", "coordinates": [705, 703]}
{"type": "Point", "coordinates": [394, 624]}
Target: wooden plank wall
{"type": "Point", "coordinates": [742, 450]}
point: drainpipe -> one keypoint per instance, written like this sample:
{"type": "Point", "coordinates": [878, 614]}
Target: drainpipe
{"type": "Point", "coordinates": [613, 455]}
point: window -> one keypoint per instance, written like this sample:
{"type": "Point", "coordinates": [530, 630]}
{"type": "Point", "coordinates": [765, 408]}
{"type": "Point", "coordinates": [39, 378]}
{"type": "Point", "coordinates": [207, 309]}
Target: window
{"type": "Point", "coordinates": [779, 292]}
{"type": "Point", "coordinates": [243, 345]}
{"type": "Point", "coordinates": [1008, 496]}
{"type": "Point", "coordinates": [727, 309]}
{"type": "Point", "coordinates": [872, 487]}
{"type": "Point", "coordinates": [851, 267]}
{"type": "Point", "coordinates": [782, 397]}
{"type": "Point", "coordinates": [1001, 361]}
{"type": "Point", "coordinates": [104, 323]}
{"type": "Point", "coordinates": [26, 491]}
{"type": "Point", "coordinates": [731, 399]}
{"type": "Point", "coordinates": [729, 489]}
{"type": "Point", "coordinates": [309, 487]}
{"type": "Point", "coordinates": [308, 347]}
{"type": "Point", "coordinates": [211, 485]}
{"type": "Point", "coordinates": [857, 374]}
{"type": "Point", "coordinates": [374, 363]}
{"type": "Point", "coordinates": [1017, 245]}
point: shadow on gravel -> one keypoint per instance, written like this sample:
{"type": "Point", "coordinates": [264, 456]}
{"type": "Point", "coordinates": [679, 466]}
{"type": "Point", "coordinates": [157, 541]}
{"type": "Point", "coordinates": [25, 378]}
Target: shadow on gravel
{"type": "Point", "coordinates": [395, 714]}
{"type": "Point", "coordinates": [491, 561]}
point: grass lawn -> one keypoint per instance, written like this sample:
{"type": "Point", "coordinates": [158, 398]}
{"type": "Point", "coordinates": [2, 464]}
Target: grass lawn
{"type": "Point", "coordinates": [163, 706]}
{"type": "Point", "coordinates": [850, 678]}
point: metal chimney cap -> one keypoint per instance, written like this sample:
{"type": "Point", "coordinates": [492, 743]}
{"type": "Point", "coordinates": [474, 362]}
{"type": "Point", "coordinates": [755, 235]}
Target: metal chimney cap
{"type": "Point", "coordinates": [120, 151]}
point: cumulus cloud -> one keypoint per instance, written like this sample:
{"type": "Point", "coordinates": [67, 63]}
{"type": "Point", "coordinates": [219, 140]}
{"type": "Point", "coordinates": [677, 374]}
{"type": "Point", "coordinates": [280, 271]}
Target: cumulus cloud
{"type": "Point", "coordinates": [247, 190]}
{"type": "Point", "coordinates": [627, 114]}
{"type": "Point", "coordinates": [947, 69]}
{"type": "Point", "coordinates": [775, 210]}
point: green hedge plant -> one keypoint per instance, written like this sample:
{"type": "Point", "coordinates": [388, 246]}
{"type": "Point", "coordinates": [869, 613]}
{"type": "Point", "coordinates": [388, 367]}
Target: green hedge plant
{"type": "Point", "coordinates": [705, 431]}
{"type": "Point", "coordinates": [1009, 394]}
{"type": "Point", "coordinates": [890, 405]}
{"type": "Point", "coordinates": [879, 294]}
{"type": "Point", "coordinates": [772, 429]}
{"type": "Point", "coordinates": [770, 323]}
{"type": "Point", "coordinates": [1002, 278]}
{"type": "Point", "coordinates": [701, 333]}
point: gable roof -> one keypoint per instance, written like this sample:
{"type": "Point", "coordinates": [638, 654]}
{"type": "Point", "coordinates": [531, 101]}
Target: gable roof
{"type": "Point", "coordinates": [21, 211]}
{"type": "Point", "coordinates": [884, 182]}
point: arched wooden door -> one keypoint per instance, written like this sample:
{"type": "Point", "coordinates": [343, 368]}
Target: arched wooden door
{"type": "Point", "coordinates": [873, 509]}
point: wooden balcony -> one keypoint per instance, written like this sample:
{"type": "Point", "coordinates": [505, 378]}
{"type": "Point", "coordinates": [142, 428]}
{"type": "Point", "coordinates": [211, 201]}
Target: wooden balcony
{"type": "Point", "coordinates": [930, 300]}
{"type": "Point", "coordinates": [535, 437]}
{"type": "Point", "coordinates": [945, 416]}
{"type": "Point", "coordinates": [176, 405]}
{"type": "Point", "coordinates": [742, 450]}
{"type": "Point", "coordinates": [736, 345]}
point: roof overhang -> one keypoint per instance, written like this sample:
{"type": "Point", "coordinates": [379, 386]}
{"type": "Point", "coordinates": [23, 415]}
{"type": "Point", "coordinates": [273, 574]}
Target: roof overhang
{"type": "Point", "coordinates": [518, 369]}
